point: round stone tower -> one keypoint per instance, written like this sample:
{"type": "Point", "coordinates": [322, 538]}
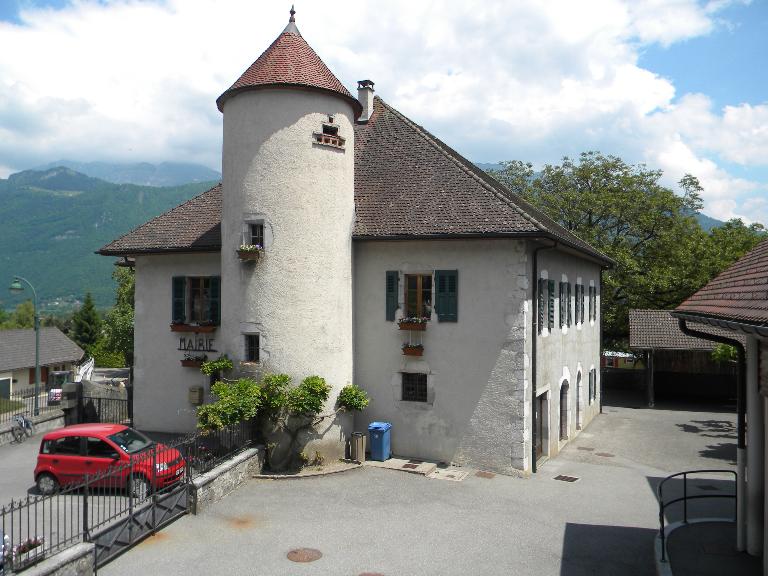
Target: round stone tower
{"type": "Point", "coordinates": [288, 191]}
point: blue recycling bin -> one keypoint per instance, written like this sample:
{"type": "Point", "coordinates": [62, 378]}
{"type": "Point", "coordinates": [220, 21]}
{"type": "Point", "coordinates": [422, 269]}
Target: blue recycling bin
{"type": "Point", "coordinates": [379, 440]}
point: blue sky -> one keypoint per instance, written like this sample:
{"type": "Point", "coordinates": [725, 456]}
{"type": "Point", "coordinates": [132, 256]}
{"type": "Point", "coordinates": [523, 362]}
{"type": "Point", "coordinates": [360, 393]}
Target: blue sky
{"type": "Point", "coordinates": [676, 84]}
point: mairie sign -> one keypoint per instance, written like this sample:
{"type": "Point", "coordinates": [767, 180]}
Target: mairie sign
{"type": "Point", "coordinates": [196, 344]}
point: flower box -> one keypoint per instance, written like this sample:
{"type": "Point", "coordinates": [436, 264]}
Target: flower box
{"type": "Point", "coordinates": [420, 326]}
{"type": "Point", "coordinates": [187, 363]}
{"type": "Point", "coordinates": [193, 328]}
{"type": "Point", "coordinates": [248, 256]}
{"type": "Point", "coordinates": [413, 350]}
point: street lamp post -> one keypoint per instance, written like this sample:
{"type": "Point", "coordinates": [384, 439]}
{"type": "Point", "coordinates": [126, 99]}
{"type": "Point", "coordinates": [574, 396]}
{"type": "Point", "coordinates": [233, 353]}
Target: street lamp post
{"type": "Point", "coordinates": [17, 288]}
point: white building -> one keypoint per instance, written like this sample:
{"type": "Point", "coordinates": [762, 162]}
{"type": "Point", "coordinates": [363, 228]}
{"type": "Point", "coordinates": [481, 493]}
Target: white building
{"type": "Point", "coordinates": [365, 217]}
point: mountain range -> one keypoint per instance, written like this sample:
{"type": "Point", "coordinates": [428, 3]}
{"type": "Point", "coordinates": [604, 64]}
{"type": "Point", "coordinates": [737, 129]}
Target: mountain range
{"type": "Point", "coordinates": [140, 173]}
{"type": "Point", "coordinates": [55, 219]}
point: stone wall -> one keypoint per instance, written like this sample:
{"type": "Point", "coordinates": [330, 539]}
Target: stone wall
{"type": "Point", "coordinates": [80, 560]}
{"type": "Point", "coordinates": [225, 478]}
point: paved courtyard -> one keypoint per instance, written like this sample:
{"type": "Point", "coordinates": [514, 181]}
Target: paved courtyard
{"type": "Point", "coordinates": [379, 521]}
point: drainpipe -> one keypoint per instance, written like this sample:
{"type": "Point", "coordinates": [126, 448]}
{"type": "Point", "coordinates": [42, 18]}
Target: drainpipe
{"type": "Point", "coordinates": [741, 401]}
{"type": "Point", "coordinates": [534, 337]}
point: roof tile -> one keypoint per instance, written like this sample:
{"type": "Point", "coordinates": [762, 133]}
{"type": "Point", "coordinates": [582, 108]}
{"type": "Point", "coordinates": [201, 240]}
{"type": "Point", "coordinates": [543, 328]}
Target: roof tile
{"type": "Point", "coordinates": [17, 348]}
{"type": "Point", "coordinates": [657, 329]}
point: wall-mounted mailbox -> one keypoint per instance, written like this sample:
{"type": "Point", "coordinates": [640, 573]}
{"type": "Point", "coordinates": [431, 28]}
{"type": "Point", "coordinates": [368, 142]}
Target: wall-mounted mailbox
{"type": "Point", "coordinates": [196, 395]}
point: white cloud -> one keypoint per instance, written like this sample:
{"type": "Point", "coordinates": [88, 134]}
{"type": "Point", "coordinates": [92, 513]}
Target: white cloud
{"type": "Point", "coordinates": [137, 80]}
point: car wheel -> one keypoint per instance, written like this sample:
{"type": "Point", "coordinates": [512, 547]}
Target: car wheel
{"type": "Point", "coordinates": [138, 487]}
{"type": "Point", "coordinates": [47, 484]}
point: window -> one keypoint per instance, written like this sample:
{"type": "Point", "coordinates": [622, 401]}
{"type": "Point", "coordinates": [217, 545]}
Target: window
{"type": "Point", "coordinates": [579, 303]}
{"type": "Point", "coordinates": [414, 387]}
{"type": "Point", "coordinates": [329, 136]}
{"type": "Point", "coordinates": [565, 304]}
{"type": "Point", "coordinates": [97, 448]}
{"type": "Point", "coordinates": [569, 311]}
{"type": "Point", "coordinates": [67, 445]}
{"type": "Point", "coordinates": [592, 385]}
{"type": "Point", "coordinates": [592, 303]}
{"type": "Point", "coordinates": [255, 234]}
{"type": "Point", "coordinates": [196, 300]}
{"type": "Point", "coordinates": [251, 347]}
{"type": "Point", "coordinates": [418, 295]}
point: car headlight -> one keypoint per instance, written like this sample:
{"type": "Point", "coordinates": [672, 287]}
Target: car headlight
{"type": "Point", "coordinates": [161, 466]}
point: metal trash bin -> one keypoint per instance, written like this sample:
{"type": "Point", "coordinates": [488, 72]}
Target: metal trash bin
{"type": "Point", "coordinates": [379, 440]}
{"type": "Point", "coordinates": [358, 447]}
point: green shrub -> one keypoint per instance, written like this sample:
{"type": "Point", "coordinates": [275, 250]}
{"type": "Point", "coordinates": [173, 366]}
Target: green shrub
{"type": "Point", "coordinates": [236, 401]}
{"type": "Point", "coordinates": [106, 358]}
{"type": "Point", "coordinates": [308, 397]}
{"type": "Point", "coordinates": [221, 364]}
{"type": "Point", "coordinates": [352, 397]}
{"type": "Point", "coordinates": [273, 392]}
{"type": "Point", "coordinates": [724, 353]}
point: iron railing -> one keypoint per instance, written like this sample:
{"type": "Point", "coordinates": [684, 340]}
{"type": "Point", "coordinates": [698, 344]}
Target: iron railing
{"type": "Point", "coordinates": [685, 498]}
{"type": "Point", "coordinates": [98, 409]}
{"type": "Point", "coordinates": [23, 402]}
{"type": "Point", "coordinates": [41, 525]}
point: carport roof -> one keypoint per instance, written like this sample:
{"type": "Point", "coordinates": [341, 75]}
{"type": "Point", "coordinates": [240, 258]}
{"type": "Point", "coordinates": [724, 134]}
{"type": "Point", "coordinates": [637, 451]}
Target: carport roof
{"type": "Point", "coordinates": [658, 330]}
{"type": "Point", "coordinates": [17, 348]}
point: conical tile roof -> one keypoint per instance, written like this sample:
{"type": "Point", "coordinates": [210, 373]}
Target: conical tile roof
{"type": "Point", "coordinates": [289, 61]}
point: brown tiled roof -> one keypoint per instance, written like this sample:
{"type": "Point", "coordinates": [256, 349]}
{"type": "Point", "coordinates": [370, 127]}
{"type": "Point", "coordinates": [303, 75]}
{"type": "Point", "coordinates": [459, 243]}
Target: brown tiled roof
{"type": "Point", "coordinates": [289, 61]}
{"type": "Point", "coordinates": [190, 227]}
{"type": "Point", "coordinates": [739, 294]}
{"type": "Point", "coordinates": [17, 348]}
{"type": "Point", "coordinates": [657, 329]}
{"type": "Point", "coordinates": [408, 184]}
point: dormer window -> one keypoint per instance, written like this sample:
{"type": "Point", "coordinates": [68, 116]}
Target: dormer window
{"type": "Point", "coordinates": [329, 136]}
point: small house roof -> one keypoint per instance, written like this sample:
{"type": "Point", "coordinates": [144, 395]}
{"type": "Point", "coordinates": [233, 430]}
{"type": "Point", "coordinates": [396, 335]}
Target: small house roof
{"type": "Point", "coordinates": [17, 348]}
{"type": "Point", "coordinates": [739, 294]}
{"type": "Point", "coordinates": [659, 330]}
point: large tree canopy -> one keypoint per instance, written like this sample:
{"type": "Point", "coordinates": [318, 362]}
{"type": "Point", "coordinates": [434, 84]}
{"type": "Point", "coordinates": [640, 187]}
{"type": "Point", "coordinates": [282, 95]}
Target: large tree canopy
{"type": "Point", "coordinates": [118, 323]}
{"type": "Point", "coordinates": [662, 254]}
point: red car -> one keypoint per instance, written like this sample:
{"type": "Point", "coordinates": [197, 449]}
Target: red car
{"type": "Point", "coordinates": [107, 453]}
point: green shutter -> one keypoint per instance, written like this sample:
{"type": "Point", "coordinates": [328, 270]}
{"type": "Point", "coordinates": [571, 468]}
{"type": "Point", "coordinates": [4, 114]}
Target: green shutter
{"type": "Point", "coordinates": [447, 295]}
{"type": "Point", "coordinates": [562, 304]}
{"type": "Point", "coordinates": [542, 304]}
{"type": "Point", "coordinates": [392, 289]}
{"type": "Point", "coordinates": [550, 304]}
{"type": "Point", "coordinates": [569, 305]}
{"type": "Point", "coordinates": [214, 302]}
{"type": "Point", "coordinates": [179, 304]}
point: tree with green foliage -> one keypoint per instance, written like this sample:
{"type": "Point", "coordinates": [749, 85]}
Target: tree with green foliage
{"type": "Point", "coordinates": [86, 325]}
{"type": "Point", "coordinates": [662, 254]}
{"type": "Point", "coordinates": [236, 401]}
{"type": "Point", "coordinates": [22, 317]}
{"type": "Point", "coordinates": [118, 322]}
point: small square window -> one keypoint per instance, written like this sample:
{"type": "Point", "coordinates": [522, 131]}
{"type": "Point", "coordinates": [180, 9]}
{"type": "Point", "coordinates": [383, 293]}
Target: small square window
{"type": "Point", "coordinates": [414, 387]}
{"type": "Point", "coordinates": [251, 347]}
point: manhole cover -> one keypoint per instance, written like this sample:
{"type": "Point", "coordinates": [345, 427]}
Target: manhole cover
{"type": "Point", "coordinates": [484, 474]}
{"type": "Point", "coordinates": [304, 555]}
{"type": "Point", "coordinates": [410, 466]}
{"type": "Point", "coordinates": [605, 454]}
{"type": "Point", "coordinates": [564, 478]}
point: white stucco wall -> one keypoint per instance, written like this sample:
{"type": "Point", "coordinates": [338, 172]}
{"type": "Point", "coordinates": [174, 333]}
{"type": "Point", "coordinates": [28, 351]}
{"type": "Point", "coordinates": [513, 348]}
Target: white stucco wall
{"type": "Point", "coordinates": [476, 367]}
{"type": "Point", "coordinates": [298, 297]}
{"type": "Point", "coordinates": [566, 352]}
{"type": "Point", "coordinates": [161, 384]}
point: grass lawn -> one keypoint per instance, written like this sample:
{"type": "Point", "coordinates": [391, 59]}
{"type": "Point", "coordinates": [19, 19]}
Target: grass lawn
{"type": "Point", "coordinates": [9, 405]}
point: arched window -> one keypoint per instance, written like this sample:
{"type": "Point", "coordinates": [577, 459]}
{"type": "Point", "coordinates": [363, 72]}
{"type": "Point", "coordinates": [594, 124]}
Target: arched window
{"type": "Point", "coordinates": [564, 410]}
{"type": "Point", "coordinates": [578, 400]}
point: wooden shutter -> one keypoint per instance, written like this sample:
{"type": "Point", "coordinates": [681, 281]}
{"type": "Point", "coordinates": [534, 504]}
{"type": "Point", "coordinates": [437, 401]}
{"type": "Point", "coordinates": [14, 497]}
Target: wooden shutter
{"type": "Point", "coordinates": [179, 302]}
{"type": "Point", "coordinates": [214, 302]}
{"type": "Point", "coordinates": [563, 304]}
{"type": "Point", "coordinates": [542, 304]}
{"type": "Point", "coordinates": [568, 304]}
{"type": "Point", "coordinates": [592, 302]}
{"type": "Point", "coordinates": [550, 304]}
{"type": "Point", "coordinates": [392, 288]}
{"type": "Point", "coordinates": [447, 295]}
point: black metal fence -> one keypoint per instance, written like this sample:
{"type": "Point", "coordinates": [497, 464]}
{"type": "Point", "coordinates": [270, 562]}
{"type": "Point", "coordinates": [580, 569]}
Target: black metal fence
{"type": "Point", "coordinates": [96, 409]}
{"type": "Point", "coordinates": [117, 505]}
{"type": "Point", "coordinates": [23, 402]}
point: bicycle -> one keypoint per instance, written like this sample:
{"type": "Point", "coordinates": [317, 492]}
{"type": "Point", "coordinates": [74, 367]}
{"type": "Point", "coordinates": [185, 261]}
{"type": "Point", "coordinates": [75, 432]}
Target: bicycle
{"type": "Point", "coordinates": [22, 428]}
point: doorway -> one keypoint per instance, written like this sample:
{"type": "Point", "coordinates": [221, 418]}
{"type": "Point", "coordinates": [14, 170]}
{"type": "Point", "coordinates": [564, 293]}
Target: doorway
{"type": "Point", "coordinates": [564, 410]}
{"type": "Point", "coordinates": [542, 425]}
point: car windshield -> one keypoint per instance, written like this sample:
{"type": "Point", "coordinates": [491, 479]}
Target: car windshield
{"type": "Point", "coordinates": [130, 440]}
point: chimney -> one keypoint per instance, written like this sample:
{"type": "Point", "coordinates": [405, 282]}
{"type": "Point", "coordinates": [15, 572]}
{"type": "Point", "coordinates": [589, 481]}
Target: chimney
{"type": "Point", "coordinates": [365, 96]}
